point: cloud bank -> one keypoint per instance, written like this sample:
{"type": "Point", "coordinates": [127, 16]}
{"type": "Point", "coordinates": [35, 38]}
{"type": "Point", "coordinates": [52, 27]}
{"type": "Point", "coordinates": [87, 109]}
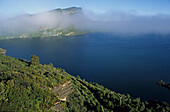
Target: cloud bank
{"type": "Point", "coordinates": [129, 23]}
{"type": "Point", "coordinates": [114, 21]}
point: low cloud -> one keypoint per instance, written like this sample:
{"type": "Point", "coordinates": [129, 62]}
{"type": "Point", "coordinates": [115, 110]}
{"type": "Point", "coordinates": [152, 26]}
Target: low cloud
{"type": "Point", "coordinates": [129, 23]}
{"type": "Point", "coordinates": [117, 22]}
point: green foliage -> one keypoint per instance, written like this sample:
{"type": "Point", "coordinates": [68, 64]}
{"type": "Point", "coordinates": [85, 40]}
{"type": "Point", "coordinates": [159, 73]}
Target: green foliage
{"type": "Point", "coordinates": [26, 88]}
{"type": "Point", "coordinates": [34, 60]}
{"type": "Point", "coordinates": [46, 31]}
{"type": "Point", "coordinates": [2, 51]}
{"type": "Point", "coordinates": [95, 97]}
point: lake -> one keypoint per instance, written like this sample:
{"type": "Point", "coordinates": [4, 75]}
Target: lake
{"type": "Point", "coordinates": [124, 64]}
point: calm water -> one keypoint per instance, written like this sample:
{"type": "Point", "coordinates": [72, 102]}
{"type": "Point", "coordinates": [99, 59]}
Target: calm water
{"type": "Point", "coordinates": [123, 64]}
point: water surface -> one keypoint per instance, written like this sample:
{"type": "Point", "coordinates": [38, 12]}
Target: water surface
{"type": "Point", "coordinates": [124, 64]}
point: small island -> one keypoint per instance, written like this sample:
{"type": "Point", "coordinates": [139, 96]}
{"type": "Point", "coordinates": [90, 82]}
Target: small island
{"type": "Point", "coordinates": [163, 84]}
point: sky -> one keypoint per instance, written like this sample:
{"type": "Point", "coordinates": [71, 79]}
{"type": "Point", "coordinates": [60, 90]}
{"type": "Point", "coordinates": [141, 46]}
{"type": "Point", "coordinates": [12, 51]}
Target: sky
{"type": "Point", "coordinates": [9, 8]}
{"type": "Point", "coordinates": [117, 16]}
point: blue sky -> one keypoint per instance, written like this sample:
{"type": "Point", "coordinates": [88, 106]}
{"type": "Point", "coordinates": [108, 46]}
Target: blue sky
{"type": "Point", "coordinates": [148, 7]}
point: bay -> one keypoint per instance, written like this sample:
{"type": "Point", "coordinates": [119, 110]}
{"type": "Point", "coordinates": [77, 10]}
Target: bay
{"type": "Point", "coordinates": [124, 64]}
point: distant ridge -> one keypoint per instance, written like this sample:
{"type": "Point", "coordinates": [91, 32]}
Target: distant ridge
{"type": "Point", "coordinates": [56, 22]}
{"type": "Point", "coordinates": [70, 10]}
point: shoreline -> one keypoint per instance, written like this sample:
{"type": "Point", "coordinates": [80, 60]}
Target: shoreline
{"type": "Point", "coordinates": [44, 37]}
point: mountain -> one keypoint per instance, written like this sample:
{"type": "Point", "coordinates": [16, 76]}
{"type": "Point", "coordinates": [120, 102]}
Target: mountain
{"type": "Point", "coordinates": [57, 22]}
{"type": "Point", "coordinates": [69, 11]}
{"type": "Point", "coordinates": [31, 86]}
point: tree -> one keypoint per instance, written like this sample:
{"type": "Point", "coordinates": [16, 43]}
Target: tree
{"type": "Point", "coordinates": [2, 51]}
{"type": "Point", "coordinates": [34, 60]}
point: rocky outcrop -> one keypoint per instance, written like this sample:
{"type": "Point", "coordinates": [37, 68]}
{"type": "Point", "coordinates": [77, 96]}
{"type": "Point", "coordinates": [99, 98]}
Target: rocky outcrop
{"type": "Point", "coordinates": [163, 84]}
{"type": "Point", "coordinates": [62, 92]}
{"type": "Point", "coordinates": [69, 11]}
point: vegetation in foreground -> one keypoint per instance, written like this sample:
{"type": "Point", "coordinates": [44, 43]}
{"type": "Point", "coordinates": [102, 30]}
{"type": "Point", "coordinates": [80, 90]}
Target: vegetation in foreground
{"type": "Point", "coordinates": [30, 86]}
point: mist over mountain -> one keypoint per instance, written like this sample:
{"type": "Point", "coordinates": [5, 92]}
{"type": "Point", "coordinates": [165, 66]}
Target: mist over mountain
{"type": "Point", "coordinates": [51, 22]}
{"type": "Point", "coordinates": [50, 18]}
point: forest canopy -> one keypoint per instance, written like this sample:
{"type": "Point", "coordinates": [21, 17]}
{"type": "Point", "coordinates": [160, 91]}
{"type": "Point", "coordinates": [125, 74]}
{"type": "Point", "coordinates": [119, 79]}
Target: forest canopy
{"type": "Point", "coordinates": [31, 86]}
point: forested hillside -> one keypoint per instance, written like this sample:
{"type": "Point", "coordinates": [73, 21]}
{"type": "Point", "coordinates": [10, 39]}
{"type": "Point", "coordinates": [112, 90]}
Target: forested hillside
{"type": "Point", "coordinates": [31, 86]}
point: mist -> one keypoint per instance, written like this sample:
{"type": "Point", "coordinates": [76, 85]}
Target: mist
{"type": "Point", "coordinates": [116, 22]}
{"type": "Point", "coordinates": [119, 22]}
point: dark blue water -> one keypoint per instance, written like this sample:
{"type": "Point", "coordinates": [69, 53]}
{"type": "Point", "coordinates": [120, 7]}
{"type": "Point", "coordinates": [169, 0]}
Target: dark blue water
{"type": "Point", "coordinates": [124, 64]}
